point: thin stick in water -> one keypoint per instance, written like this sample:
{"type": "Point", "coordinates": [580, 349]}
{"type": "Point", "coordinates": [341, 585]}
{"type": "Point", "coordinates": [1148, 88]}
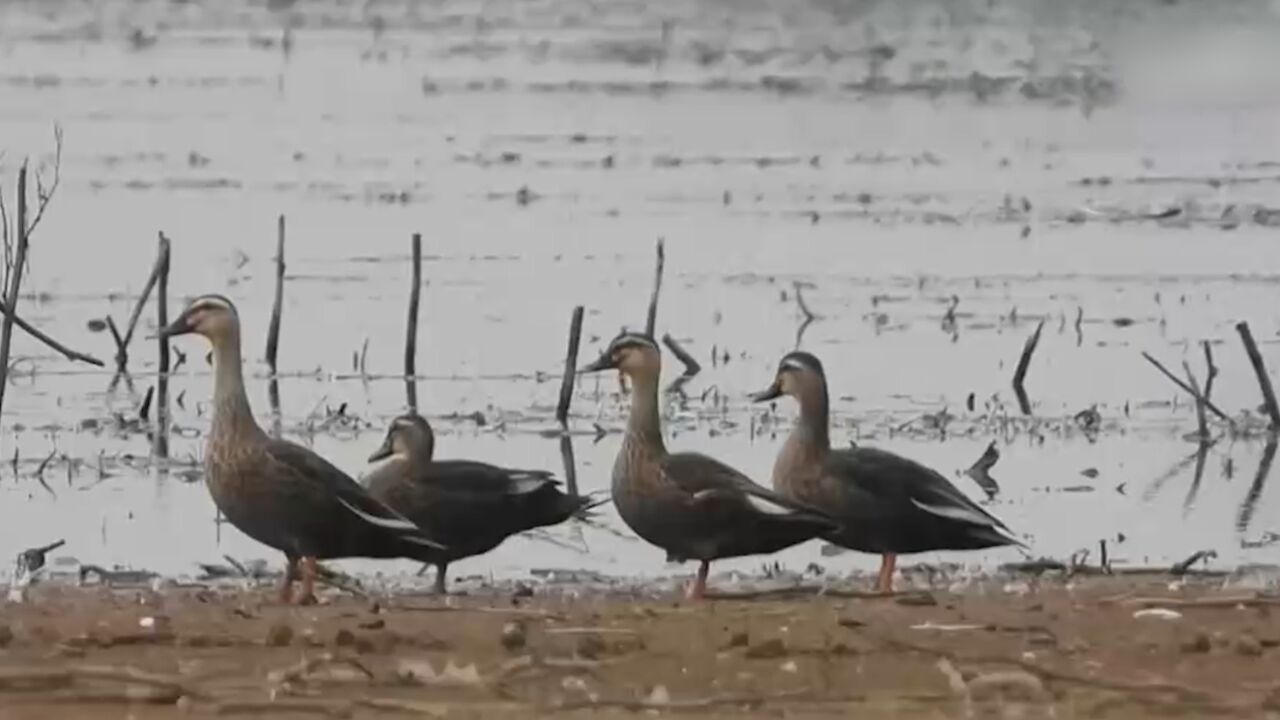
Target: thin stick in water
{"type": "Point", "coordinates": [411, 329]}
{"type": "Point", "coordinates": [162, 320]}
{"type": "Point", "coordinates": [1020, 373]}
{"type": "Point", "coordinates": [570, 464]}
{"type": "Point", "coordinates": [570, 366]}
{"type": "Point", "coordinates": [651, 319]}
{"type": "Point", "coordinates": [1260, 369]}
{"type": "Point", "coordinates": [273, 330]}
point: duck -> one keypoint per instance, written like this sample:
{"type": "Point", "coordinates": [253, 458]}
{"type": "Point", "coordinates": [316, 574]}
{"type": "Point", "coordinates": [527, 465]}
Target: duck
{"type": "Point", "coordinates": [887, 504]}
{"type": "Point", "coordinates": [691, 505]}
{"type": "Point", "coordinates": [279, 493]}
{"type": "Point", "coordinates": [470, 506]}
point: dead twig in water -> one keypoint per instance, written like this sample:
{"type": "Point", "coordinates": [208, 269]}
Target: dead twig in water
{"type": "Point", "coordinates": [1020, 373]}
{"type": "Point", "coordinates": [1184, 567]}
{"type": "Point", "coordinates": [1260, 369]}
{"type": "Point", "coordinates": [411, 327]}
{"type": "Point", "coordinates": [1187, 388]}
{"type": "Point", "coordinates": [651, 319]}
{"type": "Point", "coordinates": [570, 367]}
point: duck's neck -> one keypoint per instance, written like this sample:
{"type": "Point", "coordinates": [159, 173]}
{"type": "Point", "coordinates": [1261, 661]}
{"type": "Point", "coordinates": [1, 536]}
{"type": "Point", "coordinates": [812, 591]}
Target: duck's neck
{"type": "Point", "coordinates": [644, 424]}
{"type": "Point", "coordinates": [232, 416]}
{"type": "Point", "coordinates": [811, 434]}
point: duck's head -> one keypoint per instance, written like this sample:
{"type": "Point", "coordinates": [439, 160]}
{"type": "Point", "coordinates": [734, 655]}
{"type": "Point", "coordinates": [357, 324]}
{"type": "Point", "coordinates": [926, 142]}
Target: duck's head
{"type": "Point", "coordinates": [629, 353]}
{"type": "Point", "coordinates": [409, 436]}
{"type": "Point", "coordinates": [212, 316]}
{"type": "Point", "coordinates": [798, 373]}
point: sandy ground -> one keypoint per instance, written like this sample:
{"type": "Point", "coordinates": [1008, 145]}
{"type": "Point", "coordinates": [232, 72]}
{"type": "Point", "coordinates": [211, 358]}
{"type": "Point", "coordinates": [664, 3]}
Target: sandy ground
{"type": "Point", "coordinates": [1088, 647]}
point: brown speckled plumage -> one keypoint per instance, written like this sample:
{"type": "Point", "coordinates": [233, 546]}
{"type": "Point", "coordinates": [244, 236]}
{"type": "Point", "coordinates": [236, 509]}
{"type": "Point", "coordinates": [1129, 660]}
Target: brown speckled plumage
{"type": "Point", "coordinates": [472, 507]}
{"type": "Point", "coordinates": [691, 505]}
{"type": "Point", "coordinates": [276, 492]}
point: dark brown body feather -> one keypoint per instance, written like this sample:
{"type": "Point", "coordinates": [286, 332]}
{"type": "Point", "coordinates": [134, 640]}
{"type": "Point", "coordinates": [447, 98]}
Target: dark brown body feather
{"type": "Point", "coordinates": [287, 497]}
{"type": "Point", "coordinates": [697, 508]}
{"type": "Point", "coordinates": [888, 503]}
{"type": "Point", "coordinates": [471, 507]}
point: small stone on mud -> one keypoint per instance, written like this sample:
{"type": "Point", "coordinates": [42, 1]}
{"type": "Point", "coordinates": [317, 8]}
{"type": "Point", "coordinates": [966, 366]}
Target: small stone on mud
{"type": "Point", "coordinates": [771, 648]}
{"type": "Point", "coordinates": [279, 635]}
{"type": "Point", "coordinates": [344, 638]}
{"type": "Point", "coordinates": [590, 647]}
{"type": "Point", "coordinates": [514, 636]}
{"type": "Point", "coordinates": [739, 639]}
{"type": "Point", "coordinates": [1248, 645]}
{"type": "Point", "coordinates": [374, 624]}
{"type": "Point", "coordinates": [1197, 644]}
{"type": "Point", "coordinates": [6, 636]}
{"type": "Point", "coordinates": [923, 599]}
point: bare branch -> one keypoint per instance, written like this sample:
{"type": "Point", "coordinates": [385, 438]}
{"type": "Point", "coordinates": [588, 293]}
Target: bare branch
{"type": "Point", "coordinates": [45, 195]}
{"type": "Point", "coordinates": [68, 353]}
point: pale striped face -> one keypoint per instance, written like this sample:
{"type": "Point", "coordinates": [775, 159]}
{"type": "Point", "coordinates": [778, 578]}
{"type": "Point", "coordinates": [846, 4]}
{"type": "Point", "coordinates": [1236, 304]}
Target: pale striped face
{"type": "Point", "coordinates": [796, 370]}
{"type": "Point", "coordinates": [630, 353]}
{"type": "Point", "coordinates": [212, 316]}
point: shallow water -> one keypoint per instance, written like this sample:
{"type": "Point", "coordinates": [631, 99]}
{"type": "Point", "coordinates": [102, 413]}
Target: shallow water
{"type": "Point", "coordinates": [773, 165]}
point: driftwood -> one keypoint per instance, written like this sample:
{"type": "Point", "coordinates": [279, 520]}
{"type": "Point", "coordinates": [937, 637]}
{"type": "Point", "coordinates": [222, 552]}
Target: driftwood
{"type": "Point", "coordinates": [1020, 373]}
{"type": "Point", "coordinates": [691, 366]}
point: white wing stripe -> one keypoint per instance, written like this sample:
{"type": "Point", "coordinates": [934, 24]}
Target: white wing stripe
{"type": "Point", "coordinates": [963, 514]}
{"type": "Point", "coordinates": [392, 523]}
{"type": "Point", "coordinates": [767, 506]}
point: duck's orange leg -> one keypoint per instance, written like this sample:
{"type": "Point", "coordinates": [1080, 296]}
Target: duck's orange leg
{"type": "Point", "coordinates": [308, 596]}
{"type": "Point", "coordinates": [699, 586]}
{"type": "Point", "coordinates": [888, 562]}
{"type": "Point", "coordinates": [290, 574]}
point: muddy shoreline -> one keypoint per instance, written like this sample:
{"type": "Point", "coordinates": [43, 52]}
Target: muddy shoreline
{"type": "Point", "coordinates": [1088, 647]}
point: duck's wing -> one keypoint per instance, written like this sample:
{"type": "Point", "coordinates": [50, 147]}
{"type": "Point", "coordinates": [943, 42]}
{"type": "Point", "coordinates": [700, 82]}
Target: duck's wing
{"type": "Point", "coordinates": [709, 480]}
{"type": "Point", "coordinates": [314, 476]}
{"type": "Point", "coordinates": [885, 477]}
{"type": "Point", "coordinates": [468, 477]}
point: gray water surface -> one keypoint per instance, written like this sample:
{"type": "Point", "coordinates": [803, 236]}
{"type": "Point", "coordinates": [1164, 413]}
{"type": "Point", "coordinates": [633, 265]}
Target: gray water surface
{"type": "Point", "coordinates": [542, 148]}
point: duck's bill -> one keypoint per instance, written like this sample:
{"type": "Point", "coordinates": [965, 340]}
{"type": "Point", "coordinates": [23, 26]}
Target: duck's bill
{"type": "Point", "coordinates": [383, 452]}
{"type": "Point", "coordinates": [604, 362]}
{"type": "Point", "coordinates": [772, 392]}
{"type": "Point", "coordinates": [181, 326]}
